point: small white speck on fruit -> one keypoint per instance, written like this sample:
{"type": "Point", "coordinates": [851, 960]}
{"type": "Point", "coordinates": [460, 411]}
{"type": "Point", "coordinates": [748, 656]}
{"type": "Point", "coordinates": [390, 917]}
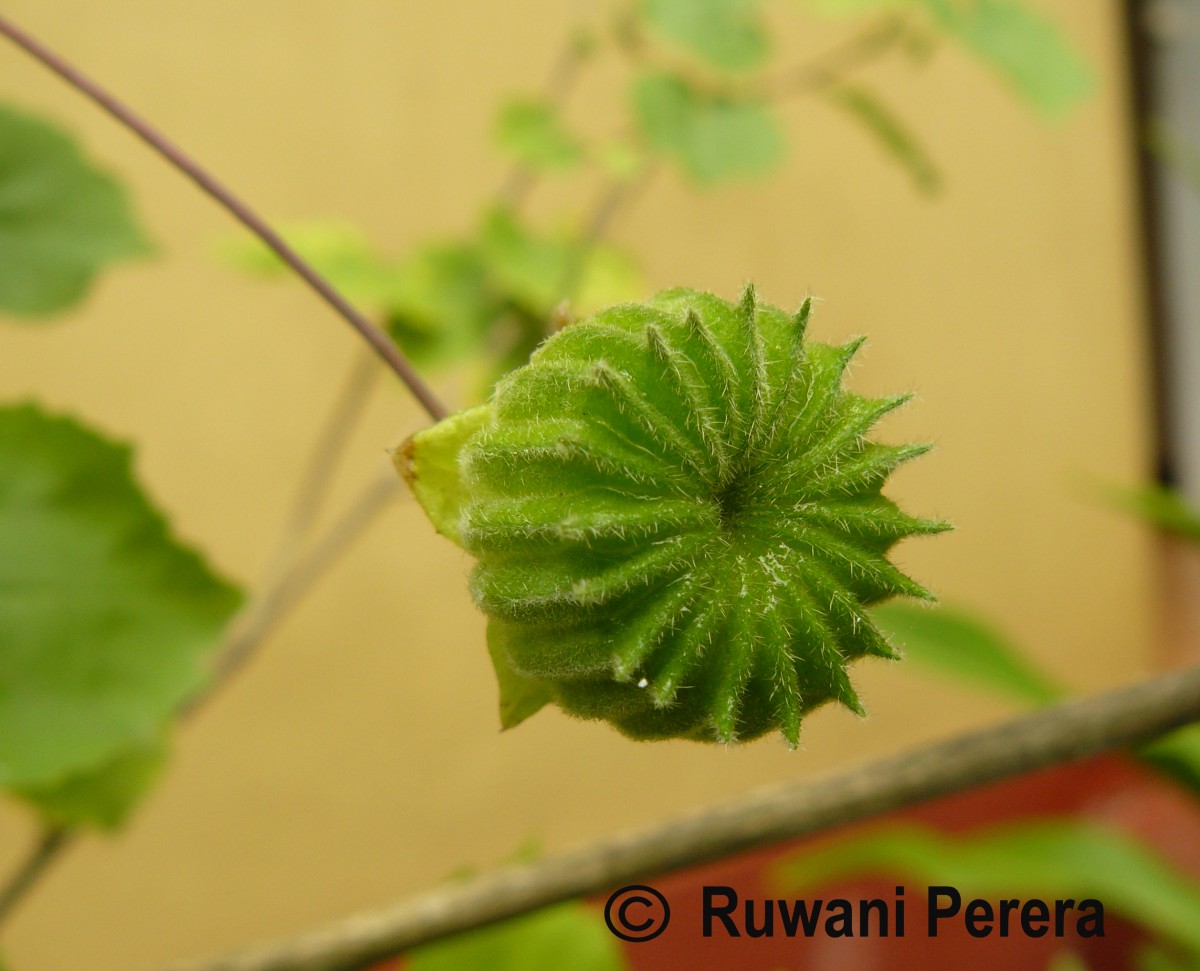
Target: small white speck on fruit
{"type": "Point", "coordinates": [643, 683]}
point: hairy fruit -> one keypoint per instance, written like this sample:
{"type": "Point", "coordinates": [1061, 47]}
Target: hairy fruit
{"type": "Point", "coordinates": [677, 520]}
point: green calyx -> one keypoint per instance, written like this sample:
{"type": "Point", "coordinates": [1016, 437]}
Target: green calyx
{"type": "Point", "coordinates": [677, 520]}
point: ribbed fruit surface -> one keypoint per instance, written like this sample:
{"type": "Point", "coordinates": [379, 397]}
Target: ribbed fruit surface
{"type": "Point", "coordinates": [677, 520]}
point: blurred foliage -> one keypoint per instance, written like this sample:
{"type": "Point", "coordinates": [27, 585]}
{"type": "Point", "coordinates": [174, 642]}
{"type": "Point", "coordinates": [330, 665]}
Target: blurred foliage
{"type": "Point", "coordinates": [532, 132]}
{"type": "Point", "coordinates": [1059, 859]}
{"type": "Point", "coordinates": [891, 134]}
{"type": "Point", "coordinates": [565, 936]}
{"type": "Point", "coordinates": [107, 620]}
{"type": "Point", "coordinates": [706, 79]}
{"type": "Point", "coordinates": [61, 218]}
{"type": "Point", "coordinates": [1159, 506]}
{"type": "Point", "coordinates": [713, 138]}
{"type": "Point", "coordinates": [104, 796]}
{"type": "Point", "coordinates": [726, 34]}
{"type": "Point", "coordinates": [489, 297]}
{"type": "Point", "coordinates": [1027, 51]}
{"type": "Point", "coordinates": [959, 643]}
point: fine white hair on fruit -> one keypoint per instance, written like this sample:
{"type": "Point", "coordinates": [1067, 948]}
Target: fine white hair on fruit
{"type": "Point", "coordinates": [677, 519]}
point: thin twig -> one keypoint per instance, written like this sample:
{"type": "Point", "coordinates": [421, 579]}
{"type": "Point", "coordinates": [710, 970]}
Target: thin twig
{"type": "Point", "coordinates": [29, 871]}
{"type": "Point", "coordinates": [613, 198]}
{"type": "Point", "coordinates": [383, 345]}
{"type": "Point", "coordinates": [559, 84]}
{"type": "Point", "coordinates": [323, 460]}
{"type": "Point", "coordinates": [809, 77]}
{"type": "Point", "coordinates": [855, 53]}
{"type": "Point", "coordinates": [278, 598]}
{"type": "Point", "coordinates": [1069, 731]}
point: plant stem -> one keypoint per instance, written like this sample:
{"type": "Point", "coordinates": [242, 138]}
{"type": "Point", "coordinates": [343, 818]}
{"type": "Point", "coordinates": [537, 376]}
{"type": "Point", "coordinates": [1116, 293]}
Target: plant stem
{"type": "Point", "coordinates": [382, 345]}
{"type": "Point", "coordinates": [614, 196]}
{"type": "Point", "coordinates": [1068, 731]}
{"type": "Point", "coordinates": [49, 845]}
{"type": "Point", "coordinates": [324, 459]}
{"type": "Point", "coordinates": [812, 76]}
{"type": "Point", "coordinates": [279, 597]}
{"type": "Point", "coordinates": [557, 89]}
{"type": "Point", "coordinates": [858, 51]}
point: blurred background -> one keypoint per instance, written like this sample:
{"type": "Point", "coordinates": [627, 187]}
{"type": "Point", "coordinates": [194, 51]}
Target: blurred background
{"type": "Point", "coordinates": [358, 757]}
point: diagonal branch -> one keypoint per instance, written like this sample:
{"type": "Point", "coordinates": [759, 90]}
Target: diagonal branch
{"type": "Point", "coordinates": [41, 856]}
{"type": "Point", "coordinates": [382, 345]}
{"type": "Point", "coordinates": [1072, 730]}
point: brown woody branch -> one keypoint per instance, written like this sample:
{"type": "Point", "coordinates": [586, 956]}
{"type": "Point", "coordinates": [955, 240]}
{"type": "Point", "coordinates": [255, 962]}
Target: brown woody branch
{"type": "Point", "coordinates": [1066, 732]}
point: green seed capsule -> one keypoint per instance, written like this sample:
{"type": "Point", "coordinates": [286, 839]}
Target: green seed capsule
{"type": "Point", "coordinates": [677, 520]}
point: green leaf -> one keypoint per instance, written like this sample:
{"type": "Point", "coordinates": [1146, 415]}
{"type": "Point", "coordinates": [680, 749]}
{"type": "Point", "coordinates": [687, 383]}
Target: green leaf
{"type": "Point", "coordinates": [1153, 957]}
{"type": "Point", "coordinates": [566, 936]}
{"type": "Point", "coordinates": [534, 270]}
{"type": "Point", "coordinates": [853, 8]}
{"type": "Point", "coordinates": [622, 160]}
{"type": "Point", "coordinates": [959, 644]}
{"type": "Point", "coordinates": [713, 139]}
{"type": "Point", "coordinates": [889, 132]}
{"type": "Point", "coordinates": [106, 620]}
{"type": "Point", "coordinates": [1067, 961]}
{"type": "Point", "coordinates": [436, 300]}
{"type": "Point", "coordinates": [1030, 52]}
{"type": "Point", "coordinates": [726, 34]}
{"type": "Point", "coordinates": [1046, 860]}
{"type": "Point", "coordinates": [339, 252]}
{"type": "Point", "coordinates": [444, 304]}
{"type": "Point", "coordinates": [520, 696]}
{"type": "Point", "coordinates": [1159, 506]}
{"type": "Point", "coordinates": [61, 218]}
{"type": "Point", "coordinates": [102, 797]}
{"type": "Point", "coordinates": [1177, 755]}
{"type": "Point", "coordinates": [428, 461]}
{"type": "Point", "coordinates": [532, 132]}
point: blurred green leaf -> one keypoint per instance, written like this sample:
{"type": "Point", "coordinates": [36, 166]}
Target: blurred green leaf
{"type": "Point", "coordinates": [444, 304]}
{"type": "Point", "coordinates": [521, 696]}
{"type": "Point", "coordinates": [1046, 860]}
{"type": "Point", "coordinates": [61, 218]}
{"type": "Point", "coordinates": [428, 461]}
{"type": "Point", "coordinates": [566, 936]}
{"type": "Point", "coordinates": [1159, 506]}
{"type": "Point", "coordinates": [1176, 755]}
{"type": "Point", "coordinates": [102, 797]}
{"type": "Point", "coordinates": [853, 8]}
{"type": "Point", "coordinates": [106, 620]}
{"type": "Point", "coordinates": [889, 132]}
{"type": "Point", "coordinates": [713, 139]}
{"type": "Point", "coordinates": [959, 644]}
{"type": "Point", "coordinates": [1067, 961]}
{"type": "Point", "coordinates": [340, 253]}
{"type": "Point", "coordinates": [532, 132]}
{"type": "Point", "coordinates": [726, 34]}
{"type": "Point", "coordinates": [534, 270]}
{"type": "Point", "coordinates": [437, 301]}
{"type": "Point", "coordinates": [1029, 51]}
{"type": "Point", "coordinates": [622, 160]}
{"type": "Point", "coordinates": [1154, 957]}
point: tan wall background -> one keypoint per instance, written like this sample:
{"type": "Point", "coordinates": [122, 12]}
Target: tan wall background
{"type": "Point", "coordinates": [358, 759]}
